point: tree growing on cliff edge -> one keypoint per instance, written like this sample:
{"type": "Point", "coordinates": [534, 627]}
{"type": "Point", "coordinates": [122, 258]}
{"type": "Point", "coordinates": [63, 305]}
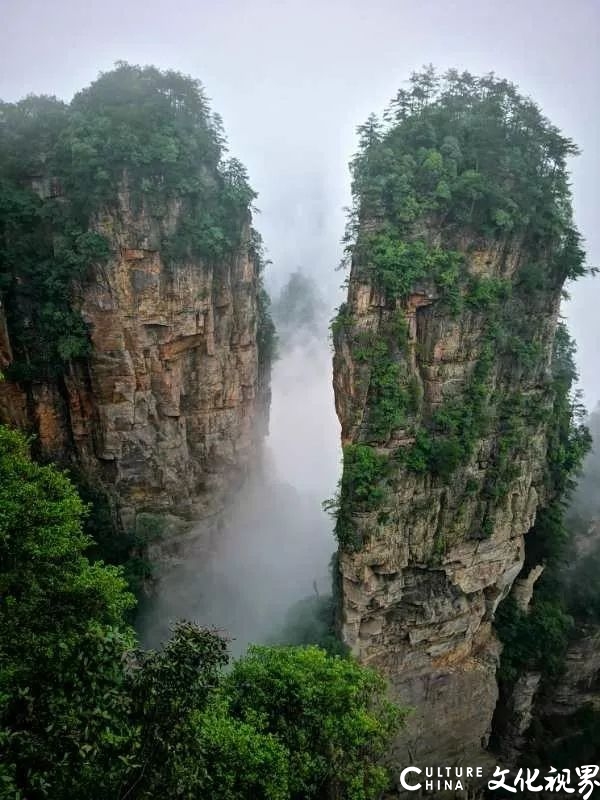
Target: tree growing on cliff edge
{"type": "Point", "coordinates": [461, 166]}
{"type": "Point", "coordinates": [469, 153]}
{"type": "Point", "coordinates": [136, 132]}
{"type": "Point", "coordinates": [83, 714]}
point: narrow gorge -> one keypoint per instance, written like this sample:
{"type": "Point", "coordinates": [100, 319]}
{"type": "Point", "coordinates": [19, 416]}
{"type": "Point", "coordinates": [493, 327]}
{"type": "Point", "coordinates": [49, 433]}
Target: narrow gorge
{"type": "Point", "coordinates": [168, 437]}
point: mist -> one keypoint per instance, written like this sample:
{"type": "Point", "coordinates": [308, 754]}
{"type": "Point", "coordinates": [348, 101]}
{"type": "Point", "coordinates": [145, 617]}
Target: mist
{"type": "Point", "coordinates": [275, 544]}
{"type": "Point", "coordinates": [292, 80]}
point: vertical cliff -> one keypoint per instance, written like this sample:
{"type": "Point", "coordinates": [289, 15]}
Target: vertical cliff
{"type": "Point", "coordinates": [135, 334]}
{"type": "Point", "coordinates": [460, 241]}
{"type": "Point", "coordinates": [549, 711]}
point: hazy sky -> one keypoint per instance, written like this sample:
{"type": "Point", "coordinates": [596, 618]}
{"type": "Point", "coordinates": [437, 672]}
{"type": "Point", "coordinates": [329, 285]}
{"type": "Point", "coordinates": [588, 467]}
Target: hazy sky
{"type": "Point", "coordinates": [293, 79]}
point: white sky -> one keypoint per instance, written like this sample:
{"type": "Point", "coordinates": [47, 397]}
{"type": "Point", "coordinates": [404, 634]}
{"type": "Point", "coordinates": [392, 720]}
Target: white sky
{"type": "Point", "coordinates": [293, 79]}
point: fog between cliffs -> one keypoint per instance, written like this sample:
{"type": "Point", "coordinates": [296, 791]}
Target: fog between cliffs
{"type": "Point", "coordinates": [275, 545]}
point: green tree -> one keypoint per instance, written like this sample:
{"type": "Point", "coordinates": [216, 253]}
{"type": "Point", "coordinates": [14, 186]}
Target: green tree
{"type": "Point", "coordinates": [63, 705]}
{"type": "Point", "coordinates": [137, 132]}
{"type": "Point", "coordinates": [82, 712]}
{"type": "Point", "coordinates": [461, 151]}
{"type": "Point", "coordinates": [330, 714]}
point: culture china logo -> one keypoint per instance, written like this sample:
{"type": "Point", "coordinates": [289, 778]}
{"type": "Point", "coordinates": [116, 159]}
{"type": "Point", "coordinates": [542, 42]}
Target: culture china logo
{"type": "Point", "coordinates": [581, 781]}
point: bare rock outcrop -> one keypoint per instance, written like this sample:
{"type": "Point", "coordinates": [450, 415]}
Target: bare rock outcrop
{"type": "Point", "coordinates": [437, 555]}
{"type": "Point", "coordinates": [166, 411]}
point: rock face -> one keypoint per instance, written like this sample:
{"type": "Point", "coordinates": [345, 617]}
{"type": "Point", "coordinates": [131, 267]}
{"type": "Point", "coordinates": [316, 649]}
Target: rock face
{"type": "Point", "coordinates": [554, 722]}
{"type": "Point", "coordinates": [447, 375]}
{"type": "Point", "coordinates": [166, 411]}
{"type": "Point", "coordinates": [439, 553]}
{"type": "Point", "coordinates": [515, 708]}
{"type": "Point", "coordinates": [580, 683]}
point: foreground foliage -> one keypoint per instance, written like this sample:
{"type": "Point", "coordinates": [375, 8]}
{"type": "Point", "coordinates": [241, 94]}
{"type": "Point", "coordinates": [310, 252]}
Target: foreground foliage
{"type": "Point", "coordinates": [84, 714]}
{"type": "Point", "coordinates": [315, 706]}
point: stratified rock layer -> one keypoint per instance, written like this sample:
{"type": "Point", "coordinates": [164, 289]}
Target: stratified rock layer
{"type": "Point", "coordinates": [418, 596]}
{"type": "Point", "coordinates": [166, 411]}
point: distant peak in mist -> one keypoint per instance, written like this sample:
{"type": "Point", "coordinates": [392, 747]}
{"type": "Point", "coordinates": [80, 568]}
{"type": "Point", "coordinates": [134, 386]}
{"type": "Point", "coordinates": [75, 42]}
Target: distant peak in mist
{"type": "Point", "coordinates": [299, 307]}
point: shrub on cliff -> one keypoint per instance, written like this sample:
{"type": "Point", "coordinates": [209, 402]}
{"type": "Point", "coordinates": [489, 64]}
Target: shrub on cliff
{"type": "Point", "coordinates": [538, 640]}
{"type": "Point", "coordinates": [360, 489]}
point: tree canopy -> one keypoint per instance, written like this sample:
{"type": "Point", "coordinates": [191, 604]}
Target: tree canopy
{"type": "Point", "coordinates": [460, 193]}
{"type": "Point", "coordinates": [138, 133]}
{"type": "Point", "coordinates": [84, 713]}
{"type": "Point", "coordinates": [461, 153]}
{"type": "Point", "coordinates": [62, 638]}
